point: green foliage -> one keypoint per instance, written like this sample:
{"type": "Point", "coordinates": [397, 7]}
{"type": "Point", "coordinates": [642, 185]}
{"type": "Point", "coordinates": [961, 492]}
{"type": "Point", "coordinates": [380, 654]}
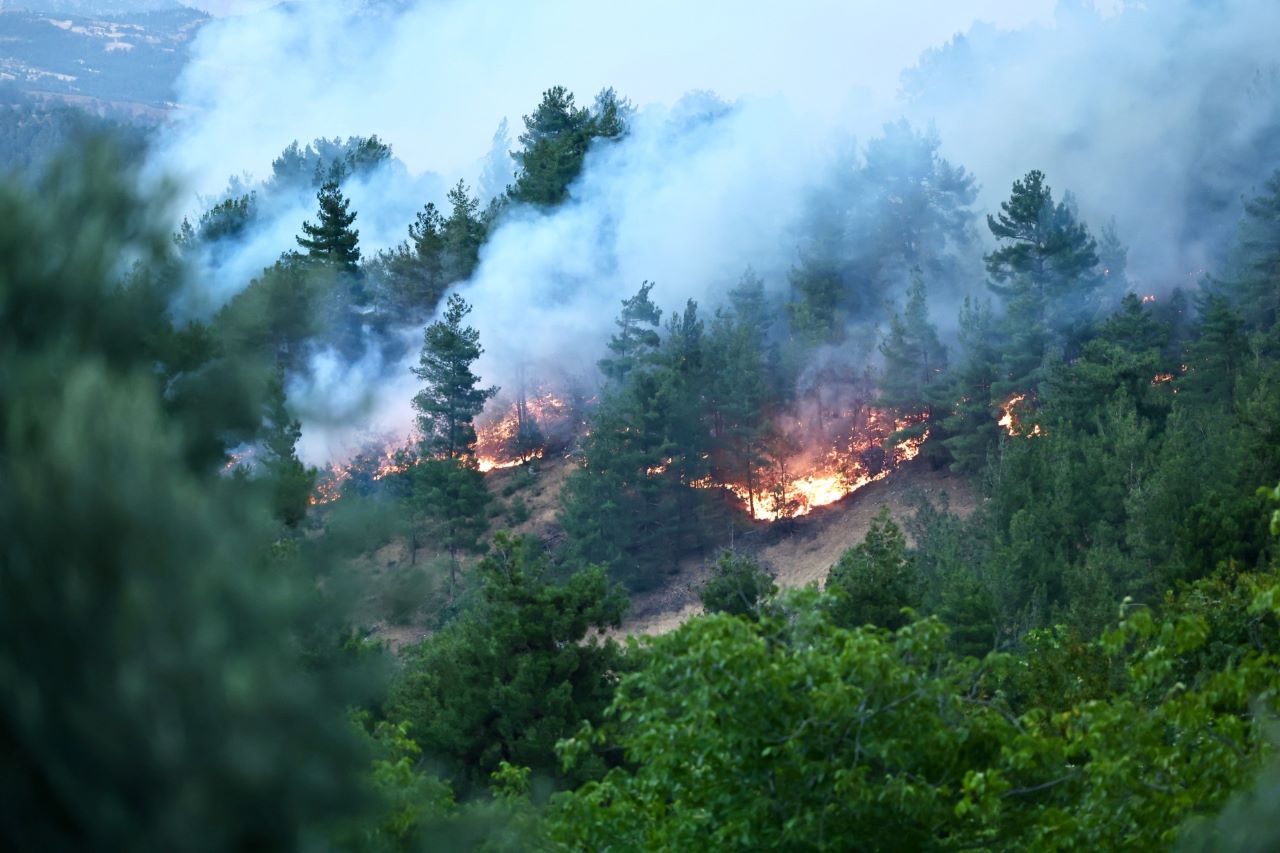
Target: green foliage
{"type": "Point", "coordinates": [969, 428]}
{"type": "Point", "coordinates": [874, 580]}
{"type": "Point", "coordinates": [630, 506]}
{"type": "Point", "coordinates": [451, 398]}
{"type": "Point", "coordinates": [452, 501]}
{"type": "Point", "coordinates": [739, 386]}
{"type": "Point", "coordinates": [1255, 267]}
{"type": "Point", "coordinates": [895, 209]}
{"type": "Point", "coordinates": [507, 679]}
{"type": "Point", "coordinates": [836, 734]}
{"type": "Point", "coordinates": [913, 356]}
{"type": "Point", "coordinates": [229, 219]}
{"type": "Point", "coordinates": [309, 167]}
{"type": "Point", "coordinates": [637, 337]}
{"type": "Point", "coordinates": [292, 481]}
{"type": "Point", "coordinates": [518, 513]}
{"type": "Point", "coordinates": [1216, 358]}
{"type": "Point", "coordinates": [1121, 360]}
{"type": "Point", "coordinates": [738, 586]}
{"type": "Point", "coordinates": [332, 239]}
{"type": "Point", "coordinates": [461, 235]}
{"type": "Point", "coordinates": [841, 734]}
{"type": "Point", "coordinates": [279, 313]}
{"type": "Point", "coordinates": [556, 139]}
{"type": "Point", "coordinates": [32, 130]}
{"type": "Point", "coordinates": [1046, 271]}
{"type": "Point", "coordinates": [162, 686]}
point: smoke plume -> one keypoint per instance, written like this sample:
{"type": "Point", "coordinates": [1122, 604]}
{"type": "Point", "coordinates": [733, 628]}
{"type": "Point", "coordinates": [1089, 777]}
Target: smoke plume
{"type": "Point", "coordinates": [1159, 115]}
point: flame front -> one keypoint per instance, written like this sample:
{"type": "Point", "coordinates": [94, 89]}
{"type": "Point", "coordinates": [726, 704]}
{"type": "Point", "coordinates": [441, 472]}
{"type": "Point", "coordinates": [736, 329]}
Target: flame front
{"type": "Point", "coordinates": [1009, 418]}
{"type": "Point", "coordinates": [522, 431]}
{"type": "Point", "coordinates": [792, 488]}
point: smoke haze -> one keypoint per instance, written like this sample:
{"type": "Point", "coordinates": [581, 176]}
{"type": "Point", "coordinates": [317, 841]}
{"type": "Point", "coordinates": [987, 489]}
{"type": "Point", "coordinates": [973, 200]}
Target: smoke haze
{"type": "Point", "coordinates": [1134, 109]}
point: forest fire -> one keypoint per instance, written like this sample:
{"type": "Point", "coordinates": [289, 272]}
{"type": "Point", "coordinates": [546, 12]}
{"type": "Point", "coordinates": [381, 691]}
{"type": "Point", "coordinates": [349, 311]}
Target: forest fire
{"type": "Point", "coordinates": [520, 433]}
{"type": "Point", "coordinates": [392, 458]}
{"type": "Point", "coordinates": [794, 488]}
{"type": "Point", "coordinates": [328, 487]}
{"type": "Point", "coordinates": [1009, 421]}
{"type": "Point", "coordinates": [523, 430]}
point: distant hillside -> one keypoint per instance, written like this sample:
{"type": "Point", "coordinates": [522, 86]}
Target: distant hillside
{"type": "Point", "coordinates": [91, 7]}
{"type": "Point", "coordinates": [128, 60]}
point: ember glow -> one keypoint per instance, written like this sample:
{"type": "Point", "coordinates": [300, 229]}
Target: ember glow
{"type": "Point", "coordinates": [394, 457]}
{"type": "Point", "coordinates": [1009, 421]}
{"type": "Point", "coordinates": [512, 434]}
{"type": "Point", "coordinates": [801, 484]}
{"type": "Point", "coordinates": [329, 486]}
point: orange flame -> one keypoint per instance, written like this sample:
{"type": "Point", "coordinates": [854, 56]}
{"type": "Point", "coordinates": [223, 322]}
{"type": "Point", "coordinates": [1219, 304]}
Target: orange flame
{"type": "Point", "coordinates": [780, 494]}
{"type": "Point", "coordinates": [499, 443]}
{"type": "Point", "coordinates": [1009, 419]}
{"type": "Point", "coordinates": [329, 487]}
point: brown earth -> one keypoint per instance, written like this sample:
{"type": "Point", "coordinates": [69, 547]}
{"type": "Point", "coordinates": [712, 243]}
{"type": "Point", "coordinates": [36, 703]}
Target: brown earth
{"type": "Point", "coordinates": [798, 552]}
{"type": "Point", "coordinates": [801, 551]}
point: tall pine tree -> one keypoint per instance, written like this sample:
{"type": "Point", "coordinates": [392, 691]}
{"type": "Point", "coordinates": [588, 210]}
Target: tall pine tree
{"type": "Point", "coordinates": [452, 397]}
{"type": "Point", "coordinates": [332, 239]}
{"type": "Point", "coordinates": [914, 358]}
{"type": "Point", "coordinates": [1046, 271]}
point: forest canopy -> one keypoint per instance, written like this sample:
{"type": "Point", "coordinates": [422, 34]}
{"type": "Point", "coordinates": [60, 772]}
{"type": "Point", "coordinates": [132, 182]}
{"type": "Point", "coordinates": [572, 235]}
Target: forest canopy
{"type": "Point", "coordinates": [548, 604]}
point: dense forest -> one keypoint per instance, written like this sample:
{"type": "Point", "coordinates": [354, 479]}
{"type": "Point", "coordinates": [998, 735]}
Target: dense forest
{"type": "Point", "coordinates": [209, 642]}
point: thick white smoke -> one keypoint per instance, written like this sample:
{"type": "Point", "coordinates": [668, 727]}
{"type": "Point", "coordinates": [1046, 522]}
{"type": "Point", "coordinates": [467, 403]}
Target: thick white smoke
{"type": "Point", "coordinates": [1124, 108]}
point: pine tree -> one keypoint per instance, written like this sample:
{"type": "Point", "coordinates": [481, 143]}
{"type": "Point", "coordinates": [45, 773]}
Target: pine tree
{"type": "Point", "coordinates": [1122, 359]}
{"type": "Point", "coordinates": [1217, 356]}
{"type": "Point", "coordinates": [332, 238]}
{"type": "Point", "coordinates": [913, 204]}
{"type": "Point", "coordinates": [292, 481]}
{"type": "Point", "coordinates": [451, 497]}
{"type": "Point", "coordinates": [1046, 271]}
{"type": "Point", "coordinates": [410, 279]}
{"type": "Point", "coordinates": [497, 173]}
{"type": "Point", "coordinates": [913, 356]}
{"type": "Point", "coordinates": [630, 505]}
{"type": "Point", "coordinates": [1258, 258]}
{"type": "Point", "coordinates": [461, 234]}
{"type": "Point", "coordinates": [737, 388]}
{"type": "Point", "coordinates": [637, 335]}
{"type": "Point", "coordinates": [739, 586]}
{"type": "Point", "coordinates": [874, 580]}
{"type": "Point", "coordinates": [969, 429]}
{"type": "Point", "coordinates": [451, 399]}
{"type": "Point", "coordinates": [555, 142]}
{"type": "Point", "coordinates": [516, 673]}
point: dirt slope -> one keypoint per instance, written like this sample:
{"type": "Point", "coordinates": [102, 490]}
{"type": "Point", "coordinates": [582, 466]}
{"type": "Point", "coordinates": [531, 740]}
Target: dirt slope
{"type": "Point", "coordinates": [801, 551]}
{"type": "Point", "coordinates": [798, 552]}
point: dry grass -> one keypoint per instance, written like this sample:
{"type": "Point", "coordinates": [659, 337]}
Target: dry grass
{"type": "Point", "coordinates": [798, 552]}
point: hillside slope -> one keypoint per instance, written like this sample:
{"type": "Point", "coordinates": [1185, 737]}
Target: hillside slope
{"type": "Point", "coordinates": [802, 551]}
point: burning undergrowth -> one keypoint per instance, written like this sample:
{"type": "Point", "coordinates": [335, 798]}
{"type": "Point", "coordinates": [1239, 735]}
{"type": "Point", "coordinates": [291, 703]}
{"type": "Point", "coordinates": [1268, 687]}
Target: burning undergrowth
{"type": "Point", "coordinates": [815, 467]}
{"type": "Point", "coordinates": [817, 457]}
{"type": "Point", "coordinates": [514, 432]}
{"type": "Point", "coordinates": [511, 432]}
